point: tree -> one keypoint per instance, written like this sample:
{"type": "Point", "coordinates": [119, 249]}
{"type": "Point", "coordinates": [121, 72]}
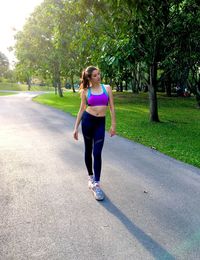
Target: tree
{"type": "Point", "coordinates": [47, 45]}
{"type": "Point", "coordinates": [139, 34]}
{"type": "Point", "coordinates": [182, 59]}
{"type": "Point", "coordinates": [4, 65]}
{"type": "Point", "coordinates": [134, 43]}
{"type": "Point", "coordinates": [152, 35]}
{"type": "Point", "coordinates": [36, 46]}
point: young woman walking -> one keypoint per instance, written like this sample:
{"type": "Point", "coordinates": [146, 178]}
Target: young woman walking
{"type": "Point", "coordinates": [95, 98]}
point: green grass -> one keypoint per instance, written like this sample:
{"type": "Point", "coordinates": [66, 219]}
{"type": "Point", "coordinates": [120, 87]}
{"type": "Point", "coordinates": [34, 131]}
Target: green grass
{"type": "Point", "coordinates": [177, 135]}
{"type": "Point", "coordinates": [23, 87]}
{"type": "Point", "coordinates": [7, 93]}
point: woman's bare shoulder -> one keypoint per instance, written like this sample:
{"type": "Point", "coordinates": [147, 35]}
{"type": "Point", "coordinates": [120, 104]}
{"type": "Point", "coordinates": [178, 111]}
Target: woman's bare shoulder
{"type": "Point", "coordinates": [108, 87]}
{"type": "Point", "coordinates": [83, 92]}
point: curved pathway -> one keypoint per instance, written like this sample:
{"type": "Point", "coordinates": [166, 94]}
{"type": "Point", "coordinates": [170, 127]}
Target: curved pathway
{"type": "Point", "coordinates": [152, 205]}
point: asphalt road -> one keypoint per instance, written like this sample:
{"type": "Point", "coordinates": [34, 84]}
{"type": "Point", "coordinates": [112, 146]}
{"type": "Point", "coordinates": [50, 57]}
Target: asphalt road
{"type": "Point", "coordinates": [152, 205]}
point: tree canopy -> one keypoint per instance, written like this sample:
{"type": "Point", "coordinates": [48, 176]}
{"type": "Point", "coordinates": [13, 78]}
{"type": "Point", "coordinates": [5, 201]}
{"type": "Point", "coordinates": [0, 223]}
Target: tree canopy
{"type": "Point", "coordinates": [137, 44]}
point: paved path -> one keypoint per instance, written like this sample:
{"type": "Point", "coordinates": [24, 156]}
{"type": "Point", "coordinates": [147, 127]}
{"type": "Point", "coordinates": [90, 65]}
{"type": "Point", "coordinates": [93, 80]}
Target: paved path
{"type": "Point", "coordinates": [152, 205]}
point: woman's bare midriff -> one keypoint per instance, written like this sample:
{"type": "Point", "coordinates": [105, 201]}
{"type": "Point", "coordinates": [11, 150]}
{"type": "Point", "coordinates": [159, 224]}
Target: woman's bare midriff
{"type": "Point", "coordinates": [97, 110]}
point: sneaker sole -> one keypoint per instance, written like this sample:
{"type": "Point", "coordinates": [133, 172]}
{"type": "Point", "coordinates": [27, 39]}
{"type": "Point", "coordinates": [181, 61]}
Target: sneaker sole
{"type": "Point", "coordinates": [99, 199]}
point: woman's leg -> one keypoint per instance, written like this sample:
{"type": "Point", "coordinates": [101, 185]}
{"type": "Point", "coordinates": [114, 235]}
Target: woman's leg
{"type": "Point", "coordinates": [88, 140]}
{"type": "Point", "coordinates": [99, 135]}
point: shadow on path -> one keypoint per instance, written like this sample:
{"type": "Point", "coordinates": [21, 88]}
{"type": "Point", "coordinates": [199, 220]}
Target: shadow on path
{"type": "Point", "coordinates": [157, 251]}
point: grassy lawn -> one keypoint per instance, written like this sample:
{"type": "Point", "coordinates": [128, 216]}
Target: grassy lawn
{"type": "Point", "coordinates": [23, 87]}
{"type": "Point", "coordinates": [177, 135]}
{"type": "Point", "coordinates": [6, 93]}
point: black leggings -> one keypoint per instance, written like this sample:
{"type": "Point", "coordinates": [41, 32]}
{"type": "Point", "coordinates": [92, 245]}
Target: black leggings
{"type": "Point", "coordinates": [93, 129]}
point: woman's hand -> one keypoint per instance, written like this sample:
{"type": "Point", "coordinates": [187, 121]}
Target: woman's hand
{"type": "Point", "coordinates": [112, 112]}
{"type": "Point", "coordinates": [112, 131]}
{"type": "Point", "coordinates": [75, 134]}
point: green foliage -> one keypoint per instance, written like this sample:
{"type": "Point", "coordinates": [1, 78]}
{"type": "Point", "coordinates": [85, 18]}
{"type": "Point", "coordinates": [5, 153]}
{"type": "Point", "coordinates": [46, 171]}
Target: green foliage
{"type": "Point", "coordinates": [61, 37]}
{"type": "Point", "coordinates": [4, 65]}
{"type": "Point", "coordinates": [136, 44]}
{"type": "Point", "coordinates": [64, 36]}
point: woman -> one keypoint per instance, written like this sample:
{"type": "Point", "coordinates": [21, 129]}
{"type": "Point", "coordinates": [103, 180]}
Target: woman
{"type": "Point", "coordinates": [95, 98]}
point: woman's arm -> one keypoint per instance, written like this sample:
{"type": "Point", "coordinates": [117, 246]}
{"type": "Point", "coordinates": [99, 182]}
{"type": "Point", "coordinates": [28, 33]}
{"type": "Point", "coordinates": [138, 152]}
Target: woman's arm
{"type": "Point", "coordinates": [80, 113]}
{"type": "Point", "coordinates": [112, 112]}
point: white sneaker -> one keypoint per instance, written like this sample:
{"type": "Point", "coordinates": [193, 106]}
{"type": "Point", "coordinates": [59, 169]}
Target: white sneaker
{"type": "Point", "coordinates": [97, 191]}
{"type": "Point", "coordinates": [90, 181]}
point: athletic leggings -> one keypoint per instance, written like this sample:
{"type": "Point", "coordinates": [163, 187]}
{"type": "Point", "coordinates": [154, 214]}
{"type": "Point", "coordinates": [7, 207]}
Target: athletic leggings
{"type": "Point", "coordinates": [93, 129]}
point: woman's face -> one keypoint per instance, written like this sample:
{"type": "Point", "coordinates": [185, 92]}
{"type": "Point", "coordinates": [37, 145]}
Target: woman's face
{"type": "Point", "coordinates": [95, 77]}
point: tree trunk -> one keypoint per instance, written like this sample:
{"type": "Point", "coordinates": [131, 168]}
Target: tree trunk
{"type": "Point", "coordinates": [117, 86]}
{"type": "Point", "coordinates": [198, 94]}
{"type": "Point", "coordinates": [56, 76]}
{"type": "Point", "coordinates": [152, 93]}
{"type": "Point", "coordinates": [56, 92]}
{"type": "Point", "coordinates": [72, 82]}
{"type": "Point", "coordinates": [126, 85]}
{"type": "Point", "coordinates": [132, 84]}
{"type": "Point", "coordinates": [198, 101]}
{"type": "Point", "coordinates": [121, 86]}
{"type": "Point", "coordinates": [134, 81]}
{"type": "Point", "coordinates": [29, 84]}
{"type": "Point", "coordinates": [138, 79]}
{"type": "Point", "coordinates": [195, 85]}
{"type": "Point", "coordinates": [58, 84]}
{"type": "Point", "coordinates": [59, 88]}
{"type": "Point", "coordinates": [168, 88]}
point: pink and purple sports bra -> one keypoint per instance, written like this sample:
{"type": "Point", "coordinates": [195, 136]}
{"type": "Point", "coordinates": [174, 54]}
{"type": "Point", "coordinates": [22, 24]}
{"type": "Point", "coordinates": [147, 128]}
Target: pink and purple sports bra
{"type": "Point", "coordinates": [97, 99]}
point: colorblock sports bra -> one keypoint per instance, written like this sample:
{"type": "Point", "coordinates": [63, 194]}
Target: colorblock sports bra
{"type": "Point", "coordinates": [97, 99]}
